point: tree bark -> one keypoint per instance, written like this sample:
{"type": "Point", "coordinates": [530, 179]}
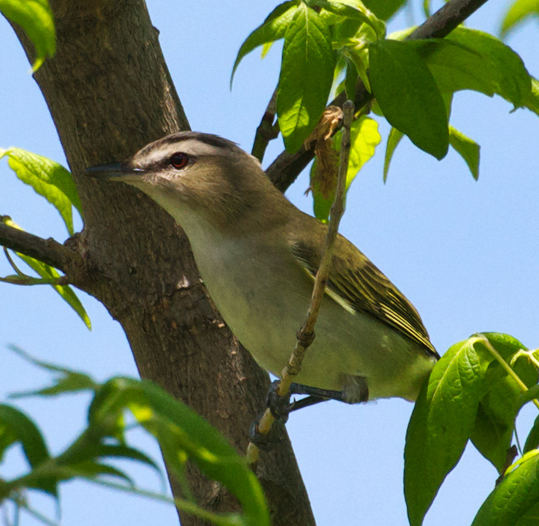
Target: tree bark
{"type": "Point", "coordinates": [109, 92]}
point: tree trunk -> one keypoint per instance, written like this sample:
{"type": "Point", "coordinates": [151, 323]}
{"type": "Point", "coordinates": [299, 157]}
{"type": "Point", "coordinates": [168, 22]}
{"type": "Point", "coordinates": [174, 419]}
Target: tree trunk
{"type": "Point", "coordinates": [109, 92]}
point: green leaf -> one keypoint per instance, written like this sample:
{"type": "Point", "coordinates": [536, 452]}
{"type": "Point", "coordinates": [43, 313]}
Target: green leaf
{"type": "Point", "coordinates": [15, 426]}
{"type": "Point", "coordinates": [502, 398]}
{"type": "Point", "coordinates": [359, 56]}
{"type": "Point", "coordinates": [182, 435]}
{"type": "Point", "coordinates": [90, 470]}
{"type": "Point", "coordinates": [509, 76]}
{"type": "Point", "coordinates": [49, 273]}
{"type": "Point", "coordinates": [533, 100]}
{"type": "Point", "coordinates": [35, 17]}
{"type": "Point", "coordinates": [517, 13]}
{"type": "Point", "coordinates": [95, 450]}
{"type": "Point", "coordinates": [408, 95]}
{"type": "Point", "coordinates": [273, 28]}
{"type": "Point", "coordinates": [456, 67]}
{"type": "Point", "coordinates": [441, 423]}
{"type": "Point", "coordinates": [306, 76]}
{"type": "Point", "coordinates": [393, 141]}
{"type": "Point", "coordinates": [68, 381]}
{"type": "Point", "coordinates": [350, 80]}
{"type": "Point", "coordinates": [467, 148]}
{"type": "Point", "coordinates": [515, 500]}
{"type": "Point", "coordinates": [48, 178]}
{"type": "Point", "coordinates": [384, 9]}
{"type": "Point", "coordinates": [532, 441]}
{"type": "Point", "coordinates": [352, 10]}
{"type": "Point", "coordinates": [364, 138]}
{"type": "Point", "coordinates": [65, 291]}
{"type": "Point", "coordinates": [125, 452]}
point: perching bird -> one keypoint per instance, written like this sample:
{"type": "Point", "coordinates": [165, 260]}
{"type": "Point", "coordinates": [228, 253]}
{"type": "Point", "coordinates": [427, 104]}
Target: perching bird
{"type": "Point", "coordinates": [258, 254]}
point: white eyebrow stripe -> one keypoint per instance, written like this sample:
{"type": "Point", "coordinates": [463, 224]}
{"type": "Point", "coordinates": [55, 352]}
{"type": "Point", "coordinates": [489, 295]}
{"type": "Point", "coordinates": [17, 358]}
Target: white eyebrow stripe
{"type": "Point", "coordinates": [189, 146]}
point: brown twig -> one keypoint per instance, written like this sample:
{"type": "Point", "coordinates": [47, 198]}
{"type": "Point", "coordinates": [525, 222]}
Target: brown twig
{"type": "Point", "coordinates": [306, 335]}
{"type": "Point", "coordinates": [267, 130]}
{"type": "Point", "coordinates": [287, 166]}
{"type": "Point", "coordinates": [48, 251]}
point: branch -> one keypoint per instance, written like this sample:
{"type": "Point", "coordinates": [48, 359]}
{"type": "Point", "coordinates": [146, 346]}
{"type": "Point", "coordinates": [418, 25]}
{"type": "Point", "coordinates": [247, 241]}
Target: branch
{"type": "Point", "coordinates": [306, 335]}
{"type": "Point", "coordinates": [267, 130]}
{"type": "Point", "coordinates": [48, 251]}
{"type": "Point", "coordinates": [287, 166]}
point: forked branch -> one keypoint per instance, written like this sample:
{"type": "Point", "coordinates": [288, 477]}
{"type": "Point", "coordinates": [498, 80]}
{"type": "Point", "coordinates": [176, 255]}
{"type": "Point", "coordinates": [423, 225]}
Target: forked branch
{"type": "Point", "coordinates": [287, 166]}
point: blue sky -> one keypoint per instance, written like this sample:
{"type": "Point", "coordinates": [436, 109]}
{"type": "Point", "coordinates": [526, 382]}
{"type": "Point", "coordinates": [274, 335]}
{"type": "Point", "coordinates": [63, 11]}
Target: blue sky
{"type": "Point", "coordinates": [464, 252]}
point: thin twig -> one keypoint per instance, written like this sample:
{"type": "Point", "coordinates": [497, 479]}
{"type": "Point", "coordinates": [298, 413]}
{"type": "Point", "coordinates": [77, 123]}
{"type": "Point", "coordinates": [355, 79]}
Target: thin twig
{"type": "Point", "coordinates": [306, 333]}
{"type": "Point", "coordinates": [48, 251]}
{"type": "Point", "coordinates": [267, 129]}
{"type": "Point", "coordinates": [287, 166]}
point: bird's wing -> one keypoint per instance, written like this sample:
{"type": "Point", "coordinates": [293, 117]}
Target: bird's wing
{"type": "Point", "coordinates": [355, 282]}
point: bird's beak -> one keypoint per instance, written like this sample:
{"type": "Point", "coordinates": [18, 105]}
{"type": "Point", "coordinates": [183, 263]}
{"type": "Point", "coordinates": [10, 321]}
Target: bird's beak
{"type": "Point", "coordinates": [115, 172]}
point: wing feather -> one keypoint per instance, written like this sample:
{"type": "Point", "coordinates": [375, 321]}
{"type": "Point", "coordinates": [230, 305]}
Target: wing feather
{"type": "Point", "coordinates": [362, 286]}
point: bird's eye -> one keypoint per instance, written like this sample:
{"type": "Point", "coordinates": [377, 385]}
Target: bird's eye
{"type": "Point", "coordinates": [179, 160]}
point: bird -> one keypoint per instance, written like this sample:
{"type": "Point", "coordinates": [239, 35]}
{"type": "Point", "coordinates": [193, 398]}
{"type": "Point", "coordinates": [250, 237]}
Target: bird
{"type": "Point", "coordinates": [258, 255]}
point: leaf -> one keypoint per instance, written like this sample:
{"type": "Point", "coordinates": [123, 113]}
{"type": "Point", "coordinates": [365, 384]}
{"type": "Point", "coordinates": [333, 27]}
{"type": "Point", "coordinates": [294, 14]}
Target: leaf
{"type": "Point", "coordinates": [68, 381]}
{"type": "Point", "coordinates": [364, 138]}
{"type": "Point", "coordinates": [352, 10]}
{"type": "Point", "coordinates": [350, 81]}
{"type": "Point", "coordinates": [273, 28]}
{"type": "Point", "coordinates": [532, 441]}
{"type": "Point", "coordinates": [182, 434]}
{"type": "Point", "coordinates": [90, 470]}
{"type": "Point", "coordinates": [515, 500]}
{"type": "Point", "coordinates": [467, 148]}
{"type": "Point", "coordinates": [384, 9]}
{"type": "Point", "coordinates": [502, 399]}
{"type": "Point", "coordinates": [15, 426]}
{"type": "Point", "coordinates": [408, 95]}
{"type": "Point", "coordinates": [456, 67]}
{"type": "Point", "coordinates": [306, 76]}
{"type": "Point", "coordinates": [533, 100]}
{"type": "Point", "coordinates": [509, 76]}
{"type": "Point", "coordinates": [49, 179]}
{"type": "Point", "coordinates": [126, 452]}
{"type": "Point", "coordinates": [441, 423]}
{"type": "Point", "coordinates": [35, 17]}
{"type": "Point", "coordinates": [393, 141]}
{"type": "Point", "coordinates": [517, 13]}
{"type": "Point", "coordinates": [50, 273]}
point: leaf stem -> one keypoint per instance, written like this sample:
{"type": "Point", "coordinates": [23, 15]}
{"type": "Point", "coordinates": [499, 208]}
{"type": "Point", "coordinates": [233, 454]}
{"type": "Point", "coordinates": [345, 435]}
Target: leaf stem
{"type": "Point", "coordinates": [506, 366]}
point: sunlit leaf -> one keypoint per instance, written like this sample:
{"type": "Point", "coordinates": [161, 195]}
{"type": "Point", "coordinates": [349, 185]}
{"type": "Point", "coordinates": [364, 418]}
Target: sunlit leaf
{"type": "Point", "coordinates": [306, 76]}
{"type": "Point", "coordinates": [515, 501]}
{"type": "Point", "coordinates": [393, 141]}
{"type": "Point", "coordinates": [467, 148]}
{"type": "Point", "coordinates": [441, 423]}
{"type": "Point", "coordinates": [48, 178]}
{"type": "Point", "coordinates": [509, 76]}
{"type": "Point", "coordinates": [49, 273]}
{"type": "Point", "coordinates": [273, 28]}
{"type": "Point", "coordinates": [518, 12]}
{"type": "Point", "coordinates": [35, 17]}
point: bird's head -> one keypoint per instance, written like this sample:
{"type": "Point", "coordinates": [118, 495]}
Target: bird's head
{"type": "Point", "coordinates": [190, 173]}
